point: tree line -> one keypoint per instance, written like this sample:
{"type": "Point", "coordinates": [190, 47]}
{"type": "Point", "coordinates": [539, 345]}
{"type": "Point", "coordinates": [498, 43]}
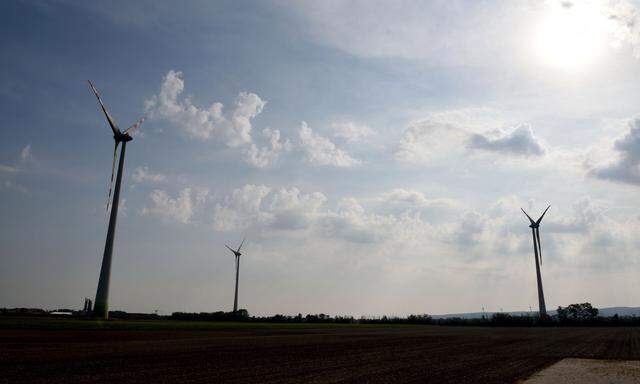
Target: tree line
{"type": "Point", "coordinates": [581, 314]}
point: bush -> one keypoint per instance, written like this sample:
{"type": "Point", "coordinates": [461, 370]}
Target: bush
{"type": "Point", "coordinates": [578, 313]}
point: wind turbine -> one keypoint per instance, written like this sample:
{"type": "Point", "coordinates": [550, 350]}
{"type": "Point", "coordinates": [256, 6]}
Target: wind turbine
{"type": "Point", "coordinates": [537, 250]}
{"type": "Point", "coordinates": [101, 305]}
{"type": "Point", "coordinates": [237, 255]}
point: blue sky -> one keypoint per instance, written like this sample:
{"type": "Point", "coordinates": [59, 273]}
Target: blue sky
{"type": "Point", "coordinates": [374, 154]}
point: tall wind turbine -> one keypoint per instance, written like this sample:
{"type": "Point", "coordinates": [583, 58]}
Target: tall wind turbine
{"type": "Point", "coordinates": [537, 251]}
{"type": "Point", "coordinates": [101, 305]}
{"type": "Point", "coordinates": [237, 255]}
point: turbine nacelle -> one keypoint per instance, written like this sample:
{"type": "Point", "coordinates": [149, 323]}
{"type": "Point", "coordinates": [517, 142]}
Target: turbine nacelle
{"type": "Point", "coordinates": [119, 136]}
{"type": "Point", "coordinates": [535, 224]}
{"type": "Point", "coordinates": [122, 137]}
{"type": "Point", "coordinates": [236, 252]}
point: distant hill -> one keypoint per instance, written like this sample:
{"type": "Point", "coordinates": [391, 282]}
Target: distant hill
{"type": "Point", "coordinates": [621, 311]}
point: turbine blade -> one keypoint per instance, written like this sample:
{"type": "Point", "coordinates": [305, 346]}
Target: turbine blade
{"type": "Point", "coordinates": [539, 245]}
{"type": "Point", "coordinates": [543, 213]}
{"type": "Point", "coordinates": [112, 123]}
{"type": "Point", "coordinates": [134, 126]}
{"type": "Point", "coordinates": [113, 168]}
{"type": "Point", "coordinates": [241, 244]}
{"type": "Point", "coordinates": [528, 217]}
{"type": "Point", "coordinates": [231, 249]}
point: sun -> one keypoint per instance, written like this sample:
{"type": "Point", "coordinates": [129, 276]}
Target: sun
{"type": "Point", "coordinates": [570, 37]}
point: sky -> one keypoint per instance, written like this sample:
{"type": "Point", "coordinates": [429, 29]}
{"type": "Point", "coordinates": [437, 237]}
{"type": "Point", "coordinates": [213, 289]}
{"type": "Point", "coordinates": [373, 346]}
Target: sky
{"type": "Point", "coordinates": [374, 154]}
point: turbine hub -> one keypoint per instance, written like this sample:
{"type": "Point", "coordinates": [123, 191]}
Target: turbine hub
{"type": "Point", "coordinates": [123, 137]}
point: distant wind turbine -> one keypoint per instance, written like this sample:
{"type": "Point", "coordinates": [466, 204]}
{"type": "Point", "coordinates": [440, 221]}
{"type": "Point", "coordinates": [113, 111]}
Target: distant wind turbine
{"type": "Point", "coordinates": [537, 250]}
{"type": "Point", "coordinates": [101, 305]}
{"type": "Point", "coordinates": [237, 255]}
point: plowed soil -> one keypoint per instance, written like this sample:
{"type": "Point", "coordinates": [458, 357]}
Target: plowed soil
{"type": "Point", "coordinates": [357, 354]}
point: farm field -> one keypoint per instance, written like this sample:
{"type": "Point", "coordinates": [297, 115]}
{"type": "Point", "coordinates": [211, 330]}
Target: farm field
{"type": "Point", "coordinates": [68, 351]}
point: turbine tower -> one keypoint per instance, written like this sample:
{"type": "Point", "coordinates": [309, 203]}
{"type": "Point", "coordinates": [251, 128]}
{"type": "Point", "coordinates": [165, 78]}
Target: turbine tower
{"type": "Point", "coordinates": [537, 251]}
{"type": "Point", "coordinates": [237, 255]}
{"type": "Point", "coordinates": [101, 305]}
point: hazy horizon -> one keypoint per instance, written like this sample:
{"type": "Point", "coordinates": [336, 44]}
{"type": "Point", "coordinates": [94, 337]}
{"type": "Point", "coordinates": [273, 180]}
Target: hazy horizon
{"type": "Point", "coordinates": [375, 155]}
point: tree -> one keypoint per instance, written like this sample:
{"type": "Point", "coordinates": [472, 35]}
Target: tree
{"type": "Point", "coordinates": [562, 314]}
{"type": "Point", "coordinates": [583, 312]}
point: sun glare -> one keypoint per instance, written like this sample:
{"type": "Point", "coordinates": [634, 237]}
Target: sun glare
{"type": "Point", "coordinates": [570, 38]}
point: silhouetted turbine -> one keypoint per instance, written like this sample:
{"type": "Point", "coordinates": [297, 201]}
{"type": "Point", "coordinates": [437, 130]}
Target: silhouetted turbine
{"type": "Point", "coordinates": [537, 250]}
{"type": "Point", "coordinates": [237, 255]}
{"type": "Point", "coordinates": [101, 305]}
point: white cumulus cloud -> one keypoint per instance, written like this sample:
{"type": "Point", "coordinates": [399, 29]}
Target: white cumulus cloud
{"type": "Point", "coordinates": [241, 209]}
{"type": "Point", "coordinates": [266, 155]}
{"type": "Point", "coordinates": [180, 209]}
{"type": "Point", "coordinates": [424, 140]}
{"type": "Point", "coordinates": [142, 174]}
{"type": "Point", "coordinates": [434, 138]}
{"type": "Point", "coordinates": [204, 123]}
{"type": "Point", "coordinates": [626, 167]}
{"type": "Point", "coordinates": [351, 131]}
{"type": "Point", "coordinates": [25, 153]}
{"type": "Point", "coordinates": [518, 141]}
{"type": "Point", "coordinates": [321, 151]}
{"type": "Point", "coordinates": [624, 18]}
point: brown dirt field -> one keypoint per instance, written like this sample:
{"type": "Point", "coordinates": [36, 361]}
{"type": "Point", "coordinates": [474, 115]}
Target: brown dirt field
{"type": "Point", "coordinates": [424, 354]}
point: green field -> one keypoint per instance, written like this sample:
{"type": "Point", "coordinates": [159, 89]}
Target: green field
{"type": "Point", "coordinates": [70, 324]}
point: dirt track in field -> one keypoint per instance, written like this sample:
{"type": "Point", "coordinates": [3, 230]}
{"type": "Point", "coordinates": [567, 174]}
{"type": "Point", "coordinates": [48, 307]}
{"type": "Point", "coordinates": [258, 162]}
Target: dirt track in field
{"type": "Point", "coordinates": [421, 354]}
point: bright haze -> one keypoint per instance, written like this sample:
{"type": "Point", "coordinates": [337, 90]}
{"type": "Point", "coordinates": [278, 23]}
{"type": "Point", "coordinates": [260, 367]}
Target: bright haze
{"type": "Point", "coordinates": [374, 154]}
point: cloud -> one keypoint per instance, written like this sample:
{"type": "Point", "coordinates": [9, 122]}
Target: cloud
{"type": "Point", "coordinates": [260, 206]}
{"type": "Point", "coordinates": [585, 232]}
{"type": "Point", "coordinates": [398, 201]}
{"type": "Point", "coordinates": [408, 197]}
{"type": "Point", "coordinates": [321, 151]}
{"type": "Point", "coordinates": [8, 169]}
{"type": "Point", "coordinates": [350, 131]}
{"type": "Point", "coordinates": [241, 209]}
{"type": "Point", "coordinates": [233, 128]}
{"type": "Point", "coordinates": [587, 213]}
{"type": "Point", "coordinates": [205, 123]}
{"type": "Point", "coordinates": [142, 174]}
{"type": "Point", "coordinates": [179, 209]}
{"type": "Point", "coordinates": [25, 153]}
{"type": "Point", "coordinates": [8, 184]}
{"type": "Point", "coordinates": [519, 141]}
{"type": "Point", "coordinates": [248, 106]}
{"type": "Point", "coordinates": [624, 18]}
{"type": "Point", "coordinates": [25, 157]}
{"type": "Point", "coordinates": [566, 4]}
{"type": "Point", "coordinates": [262, 157]}
{"type": "Point", "coordinates": [591, 237]}
{"type": "Point", "coordinates": [292, 209]}
{"type": "Point", "coordinates": [626, 168]}
{"type": "Point", "coordinates": [466, 33]}
{"type": "Point", "coordinates": [424, 140]}
{"type": "Point", "coordinates": [582, 234]}
{"type": "Point", "coordinates": [468, 231]}
{"type": "Point", "coordinates": [351, 222]}
{"type": "Point", "coordinates": [452, 134]}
